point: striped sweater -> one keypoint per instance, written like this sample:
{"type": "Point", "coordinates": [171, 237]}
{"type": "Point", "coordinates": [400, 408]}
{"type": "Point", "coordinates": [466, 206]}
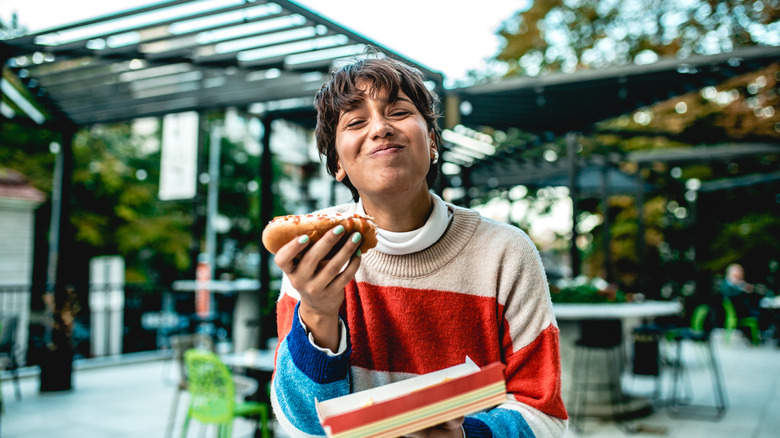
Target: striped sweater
{"type": "Point", "coordinates": [480, 291]}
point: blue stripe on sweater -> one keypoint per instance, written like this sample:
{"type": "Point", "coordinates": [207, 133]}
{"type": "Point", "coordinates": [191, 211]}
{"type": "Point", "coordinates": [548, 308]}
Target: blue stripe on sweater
{"type": "Point", "coordinates": [498, 423]}
{"type": "Point", "coordinates": [315, 364]}
{"type": "Point", "coordinates": [295, 393]}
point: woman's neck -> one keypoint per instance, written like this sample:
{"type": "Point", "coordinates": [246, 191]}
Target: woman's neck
{"type": "Point", "coordinates": [400, 214]}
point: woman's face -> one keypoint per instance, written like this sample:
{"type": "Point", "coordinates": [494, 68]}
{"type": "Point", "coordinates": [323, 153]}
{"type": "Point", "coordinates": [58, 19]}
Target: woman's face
{"type": "Point", "coordinates": [384, 146]}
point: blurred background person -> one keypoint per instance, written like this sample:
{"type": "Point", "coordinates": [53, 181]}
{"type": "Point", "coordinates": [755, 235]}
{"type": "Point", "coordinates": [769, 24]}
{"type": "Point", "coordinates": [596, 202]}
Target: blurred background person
{"type": "Point", "coordinates": [735, 288]}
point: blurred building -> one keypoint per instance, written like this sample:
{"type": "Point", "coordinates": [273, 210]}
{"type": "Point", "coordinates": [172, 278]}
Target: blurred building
{"type": "Point", "coordinates": [18, 202]}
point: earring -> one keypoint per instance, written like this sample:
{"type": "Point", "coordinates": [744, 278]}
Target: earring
{"type": "Point", "coordinates": [435, 157]}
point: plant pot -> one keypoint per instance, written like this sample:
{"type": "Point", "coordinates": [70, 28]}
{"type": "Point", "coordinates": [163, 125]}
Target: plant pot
{"type": "Point", "coordinates": [56, 370]}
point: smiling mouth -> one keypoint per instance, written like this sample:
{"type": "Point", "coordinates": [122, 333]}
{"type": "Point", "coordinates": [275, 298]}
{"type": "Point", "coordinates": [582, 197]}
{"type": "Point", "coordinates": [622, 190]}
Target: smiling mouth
{"type": "Point", "coordinates": [385, 149]}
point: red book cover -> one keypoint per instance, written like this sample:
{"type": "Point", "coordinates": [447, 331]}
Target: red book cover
{"type": "Point", "coordinates": [410, 405]}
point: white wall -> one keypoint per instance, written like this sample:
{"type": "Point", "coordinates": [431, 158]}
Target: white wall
{"type": "Point", "coordinates": [17, 237]}
{"type": "Point", "coordinates": [16, 242]}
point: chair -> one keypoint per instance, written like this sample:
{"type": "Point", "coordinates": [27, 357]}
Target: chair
{"type": "Point", "coordinates": [698, 333]}
{"type": "Point", "coordinates": [180, 344]}
{"type": "Point", "coordinates": [8, 349]}
{"type": "Point", "coordinates": [213, 396]}
{"type": "Point", "coordinates": [733, 322]}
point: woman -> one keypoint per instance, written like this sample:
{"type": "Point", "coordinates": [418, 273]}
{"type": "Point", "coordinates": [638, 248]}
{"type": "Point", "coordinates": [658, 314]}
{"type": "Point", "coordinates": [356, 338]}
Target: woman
{"type": "Point", "coordinates": [442, 284]}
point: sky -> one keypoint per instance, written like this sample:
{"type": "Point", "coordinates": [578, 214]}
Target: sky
{"type": "Point", "coordinates": [434, 33]}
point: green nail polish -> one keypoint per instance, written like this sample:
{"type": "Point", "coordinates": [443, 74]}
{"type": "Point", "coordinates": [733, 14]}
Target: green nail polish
{"type": "Point", "coordinates": [359, 252]}
{"type": "Point", "coordinates": [338, 230]}
{"type": "Point", "coordinates": [356, 237]}
{"type": "Point", "coordinates": [303, 239]}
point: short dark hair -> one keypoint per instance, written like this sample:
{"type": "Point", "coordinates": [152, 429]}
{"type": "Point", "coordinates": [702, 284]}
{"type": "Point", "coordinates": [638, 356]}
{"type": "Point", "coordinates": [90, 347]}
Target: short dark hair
{"type": "Point", "coordinates": [341, 93]}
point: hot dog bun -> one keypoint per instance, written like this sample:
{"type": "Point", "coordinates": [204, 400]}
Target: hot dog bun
{"type": "Point", "coordinates": [281, 230]}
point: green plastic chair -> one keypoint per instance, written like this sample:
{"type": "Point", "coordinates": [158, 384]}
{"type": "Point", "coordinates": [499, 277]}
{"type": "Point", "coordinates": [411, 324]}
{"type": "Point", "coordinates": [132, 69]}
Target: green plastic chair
{"type": "Point", "coordinates": [213, 396]}
{"type": "Point", "coordinates": [730, 321]}
{"type": "Point", "coordinates": [699, 317]}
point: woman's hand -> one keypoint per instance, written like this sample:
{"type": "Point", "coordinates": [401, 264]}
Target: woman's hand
{"type": "Point", "coordinates": [448, 429]}
{"type": "Point", "coordinates": [321, 287]}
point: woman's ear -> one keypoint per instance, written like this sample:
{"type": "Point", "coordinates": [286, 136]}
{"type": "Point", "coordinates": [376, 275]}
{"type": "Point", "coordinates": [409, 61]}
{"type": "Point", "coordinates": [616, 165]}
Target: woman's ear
{"type": "Point", "coordinates": [340, 172]}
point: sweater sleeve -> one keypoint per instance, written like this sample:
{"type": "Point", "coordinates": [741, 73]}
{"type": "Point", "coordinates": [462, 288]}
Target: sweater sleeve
{"type": "Point", "coordinates": [530, 348]}
{"type": "Point", "coordinates": [303, 373]}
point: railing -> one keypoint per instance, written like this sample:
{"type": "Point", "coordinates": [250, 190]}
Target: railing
{"type": "Point", "coordinates": [113, 319]}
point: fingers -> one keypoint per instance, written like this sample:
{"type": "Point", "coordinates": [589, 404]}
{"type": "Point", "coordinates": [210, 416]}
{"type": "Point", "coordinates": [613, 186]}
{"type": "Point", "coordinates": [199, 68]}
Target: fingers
{"type": "Point", "coordinates": [288, 255]}
{"type": "Point", "coordinates": [337, 257]}
{"type": "Point", "coordinates": [335, 246]}
{"type": "Point", "coordinates": [329, 254]}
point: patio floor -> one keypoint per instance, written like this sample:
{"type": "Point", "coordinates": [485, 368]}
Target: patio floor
{"type": "Point", "coordinates": [132, 397]}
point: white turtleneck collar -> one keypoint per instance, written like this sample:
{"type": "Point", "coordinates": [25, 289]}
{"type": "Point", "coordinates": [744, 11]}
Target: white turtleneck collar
{"type": "Point", "coordinates": [409, 242]}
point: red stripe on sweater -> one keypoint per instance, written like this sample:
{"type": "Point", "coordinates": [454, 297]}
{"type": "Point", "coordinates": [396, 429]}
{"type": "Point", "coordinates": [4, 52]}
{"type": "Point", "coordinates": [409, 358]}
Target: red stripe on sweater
{"type": "Point", "coordinates": [285, 309]}
{"type": "Point", "coordinates": [533, 374]}
{"type": "Point", "coordinates": [420, 331]}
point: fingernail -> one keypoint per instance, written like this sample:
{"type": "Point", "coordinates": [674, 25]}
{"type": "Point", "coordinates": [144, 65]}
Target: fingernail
{"type": "Point", "coordinates": [359, 252]}
{"type": "Point", "coordinates": [338, 230]}
{"type": "Point", "coordinates": [303, 239]}
{"type": "Point", "coordinates": [356, 237]}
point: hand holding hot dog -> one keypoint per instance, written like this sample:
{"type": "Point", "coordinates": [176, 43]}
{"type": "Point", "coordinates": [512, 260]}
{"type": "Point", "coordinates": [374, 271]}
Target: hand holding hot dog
{"type": "Point", "coordinates": [319, 263]}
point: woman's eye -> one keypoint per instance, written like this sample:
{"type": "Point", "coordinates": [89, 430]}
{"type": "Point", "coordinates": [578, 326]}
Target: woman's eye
{"type": "Point", "coordinates": [354, 123]}
{"type": "Point", "coordinates": [400, 113]}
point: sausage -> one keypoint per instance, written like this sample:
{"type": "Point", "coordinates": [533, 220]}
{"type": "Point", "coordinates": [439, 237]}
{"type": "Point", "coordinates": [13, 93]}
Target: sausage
{"type": "Point", "coordinates": [282, 229]}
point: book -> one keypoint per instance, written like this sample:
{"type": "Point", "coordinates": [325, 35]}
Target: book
{"type": "Point", "coordinates": [414, 404]}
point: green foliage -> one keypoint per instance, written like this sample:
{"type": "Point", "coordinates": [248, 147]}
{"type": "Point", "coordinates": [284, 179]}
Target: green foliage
{"type": "Point", "coordinates": [26, 150]}
{"type": "Point", "coordinates": [725, 226]}
{"type": "Point", "coordinates": [565, 35]}
{"type": "Point", "coordinates": [116, 209]}
{"type": "Point", "coordinates": [114, 206]}
{"type": "Point", "coordinates": [736, 241]}
{"type": "Point", "coordinates": [586, 290]}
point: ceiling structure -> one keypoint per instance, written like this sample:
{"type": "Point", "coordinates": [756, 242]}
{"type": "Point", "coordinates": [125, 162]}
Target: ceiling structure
{"type": "Point", "coordinates": [504, 171]}
{"type": "Point", "coordinates": [561, 102]}
{"type": "Point", "coordinates": [179, 55]}
{"type": "Point", "coordinates": [557, 104]}
{"type": "Point", "coordinates": [272, 56]}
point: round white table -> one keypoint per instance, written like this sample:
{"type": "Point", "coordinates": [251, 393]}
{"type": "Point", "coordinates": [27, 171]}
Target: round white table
{"type": "Point", "coordinates": [644, 309]}
{"type": "Point", "coordinates": [259, 360]}
{"type": "Point", "coordinates": [574, 319]}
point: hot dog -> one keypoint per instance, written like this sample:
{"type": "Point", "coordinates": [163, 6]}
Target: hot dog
{"type": "Point", "coordinates": [282, 229]}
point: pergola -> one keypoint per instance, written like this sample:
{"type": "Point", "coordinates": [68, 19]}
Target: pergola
{"type": "Point", "coordinates": [269, 58]}
{"type": "Point", "coordinates": [563, 105]}
{"type": "Point", "coordinates": [182, 55]}
{"type": "Point", "coordinates": [266, 58]}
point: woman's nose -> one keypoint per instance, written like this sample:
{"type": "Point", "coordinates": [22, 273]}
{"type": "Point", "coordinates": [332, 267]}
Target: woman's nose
{"type": "Point", "coordinates": [381, 128]}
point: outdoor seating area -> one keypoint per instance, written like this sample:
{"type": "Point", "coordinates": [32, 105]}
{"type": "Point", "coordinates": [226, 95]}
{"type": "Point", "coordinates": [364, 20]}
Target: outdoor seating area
{"type": "Point", "coordinates": [615, 205]}
{"type": "Point", "coordinates": [130, 397]}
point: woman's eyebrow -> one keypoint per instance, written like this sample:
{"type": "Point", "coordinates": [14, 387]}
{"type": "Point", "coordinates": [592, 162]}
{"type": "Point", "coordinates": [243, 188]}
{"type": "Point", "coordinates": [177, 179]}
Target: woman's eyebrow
{"type": "Point", "coordinates": [359, 103]}
{"type": "Point", "coordinates": [353, 104]}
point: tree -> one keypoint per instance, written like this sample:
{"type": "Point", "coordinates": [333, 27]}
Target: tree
{"type": "Point", "coordinates": [566, 35]}
{"type": "Point", "coordinates": [569, 35]}
{"type": "Point", "coordinates": [116, 208]}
